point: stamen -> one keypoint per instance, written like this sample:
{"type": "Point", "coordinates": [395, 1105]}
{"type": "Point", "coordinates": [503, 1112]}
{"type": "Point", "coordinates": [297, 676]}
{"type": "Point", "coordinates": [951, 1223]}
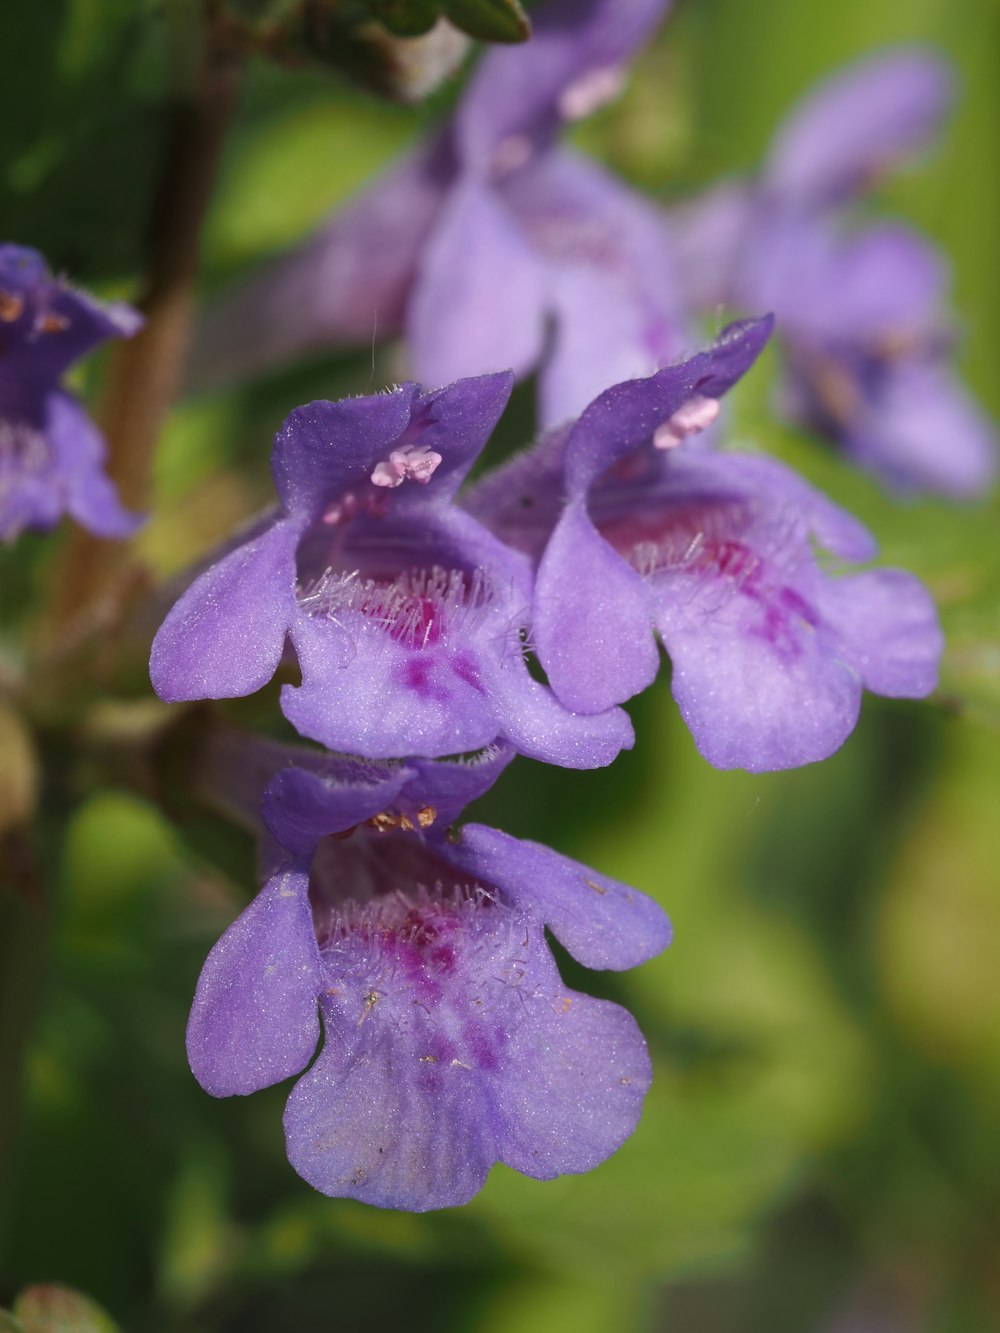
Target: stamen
{"type": "Point", "coordinates": [50, 322]}
{"type": "Point", "coordinates": [419, 608]}
{"type": "Point", "coordinates": [592, 90]}
{"type": "Point", "coordinates": [691, 418]}
{"type": "Point", "coordinates": [510, 154]}
{"type": "Point", "coordinates": [11, 307]}
{"type": "Point", "coordinates": [413, 461]}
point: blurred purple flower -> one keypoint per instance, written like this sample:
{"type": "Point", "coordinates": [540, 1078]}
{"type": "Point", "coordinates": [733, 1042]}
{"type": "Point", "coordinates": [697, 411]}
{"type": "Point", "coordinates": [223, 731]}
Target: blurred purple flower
{"type": "Point", "coordinates": [474, 243]}
{"type": "Point", "coordinates": [405, 614]}
{"type": "Point", "coordinates": [51, 453]}
{"type": "Point", "coordinates": [715, 552]}
{"type": "Point", "coordinates": [861, 310]}
{"type": "Point", "coordinates": [451, 1042]}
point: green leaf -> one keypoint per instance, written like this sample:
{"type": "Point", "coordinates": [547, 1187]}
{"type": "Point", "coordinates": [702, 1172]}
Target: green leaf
{"type": "Point", "coordinates": [406, 18]}
{"type": "Point", "coordinates": [490, 20]}
{"type": "Point", "coordinates": [54, 1309]}
{"type": "Point", "coordinates": [8, 1324]}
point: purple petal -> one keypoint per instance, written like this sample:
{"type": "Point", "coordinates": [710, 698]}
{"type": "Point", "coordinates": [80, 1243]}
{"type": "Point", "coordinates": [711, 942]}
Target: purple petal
{"type": "Point", "coordinates": [516, 92]}
{"type": "Point", "coordinates": [79, 451]}
{"type": "Point", "coordinates": [602, 922]}
{"type": "Point", "coordinates": [882, 284]}
{"type": "Point", "coordinates": [580, 1075]}
{"type": "Point", "coordinates": [708, 234]}
{"type": "Point", "coordinates": [478, 302]}
{"type": "Point", "coordinates": [450, 786]}
{"type": "Point", "coordinates": [925, 431]}
{"type": "Point", "coordinates": [255, 1019]}
{"type": "Point", "coordinates": [456, 422]}
{"type": "Point", "coordinates": [451, 1043]}
{"type": "Point", "coordinates": [889, 630]}
{"type": "Point", "coordinates": [861, 121]}
{"type": "Point", "coordinates": [363, 1124]}
{"type": "Point", "coordinates": [299, 808]}
{"type": "Point", "coordinates": [350, 282]}
{"type": "Point", "coordinates": [324, 448]}
{"type": "Point", "coordinates": [758, 691]}
{"type": "Point", "coordinates": [607, 250]}
{"type": "Point", "coordinates": [225, 636]}
{"type": "Point", "coordinates": [592, 619]}
{"type": "Point", "coordinates": [627, 415]}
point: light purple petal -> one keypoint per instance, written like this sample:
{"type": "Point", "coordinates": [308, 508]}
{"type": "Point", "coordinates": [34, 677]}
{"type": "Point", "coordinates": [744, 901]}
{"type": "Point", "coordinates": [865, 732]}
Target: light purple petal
{"type": "Point", "coordinates": [478, 301]}
{"type": "Point", "coordinates": [757, 693]}
{"type": "Point", "coordinates": [79, 452]}
{"type": "Point", "coordinates": [859, 123]}
{"type": "Point", "coordinates": [255, 1016]}
{"type": "Point", "coordinates": [451, 1043]}
{"type": "Point", "coordinates": [368, 1122]}
{"type": "Point", "coordinates": [368, 692]}
{"type": "Point", "coordinates": [607, 250]}
{"type": "Point", "coordinates": [882, 284]}
{"type": "Point", "coordinates": [517, 91]}
{"type": "Point", "coordinates": [592, 619]}
{"type": "Point", "coordinates": [889, 630]}
{"type": "Point", "coordinates": [602, 922]}
{"type": "Point", "coordinates": [925, 431]}
{"type": "Point", "coordinates": [349, 282]}
{"type": "Point", "coordinates": [225, 636]}
{"type": "Point", "coordinates": [579, 1079]}
{"type": "Point", "coordinates": [708, 234]}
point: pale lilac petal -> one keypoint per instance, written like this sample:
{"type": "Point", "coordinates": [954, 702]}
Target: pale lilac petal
{"type": "Point", "coordinates": [369, 692]}
{"type": "Point", "coordinates": [859, 123]}
{"type": "Point", "coordinates": [708, 234]}
{"type": "Point", "coordinates": [577, 1086]}
{"type": "Point", "coordinates": [602, 922]}
{"type": "Point", "coordinates": [925, 431]}
{"type": "Point", "coordinates": [889, 630]}
{"type": "Point", "coordinates": [607, 250]}
{"type": "Point", "coordinates": [757, 691]}
{"type": "Point", "coordinates": [225, 636]}
{"type": "Point", "coordinates": [535, 720]}
{"type": "Point", "coordinates": [255, 1017]}
{"type": "Point", "coordinates": [592, 619]}
{"type": "Point", "coordinates": [592, 350]}
{"type": "Point", "coordinates": [78, 455]}
{"type": "Point", "coordinates": [515, 92]}
{"type": "Point", "coordinates": [369, 1122]}
{"type": "Point", "coordinates": [457, 421]}
{"type": "Point", "coordinates": [479, 297]}
{"type": "Point", "coordinates": [348, 283]}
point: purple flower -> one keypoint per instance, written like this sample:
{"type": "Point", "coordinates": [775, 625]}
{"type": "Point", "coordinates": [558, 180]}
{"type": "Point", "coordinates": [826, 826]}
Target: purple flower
{"type": "Point", "coordinates": [450, 1041]}
{"type": "Point", "coordinates": [51, 453]}
{"type": "Point", "coordinates": [405, 614]}
{"type": "Point", "coordinates": [862, 310]}
{"type": "Point", "coordinates": [476, 243]}
{"type": "Point", "coordinates": [716, 553]}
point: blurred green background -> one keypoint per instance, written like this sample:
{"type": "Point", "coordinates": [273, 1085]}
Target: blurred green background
{"type": "Point", "coordinates": [820, 1148]}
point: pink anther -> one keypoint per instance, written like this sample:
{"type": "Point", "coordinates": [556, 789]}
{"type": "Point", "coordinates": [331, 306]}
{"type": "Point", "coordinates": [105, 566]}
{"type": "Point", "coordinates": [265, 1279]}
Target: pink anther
{"type": "Point", "coordinates": [413, 461]}
{"type": "Point", "coordinates": [591, 91]}
{"type": "Point", "coordinates": [692, 417]}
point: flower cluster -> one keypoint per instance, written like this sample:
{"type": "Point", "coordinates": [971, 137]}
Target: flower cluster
{"type": "Point", "coordinates": [429, 618]}
{"type": "Point", "coordinates": [51, 454]}
{"type": "Point", "coordinates": [495, 215]}
{"type": "Point", "coordinates": [409, 607]}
